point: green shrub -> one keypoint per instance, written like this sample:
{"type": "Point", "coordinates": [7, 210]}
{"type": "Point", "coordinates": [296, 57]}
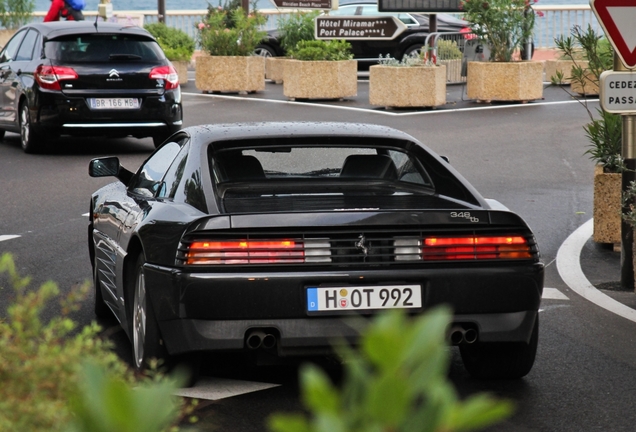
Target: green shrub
{"type": "Point", "coordinates": [231, 33]}
{"type": "Point", "coordinates": [176, 44]}
{"type": "Point", "coordinates": [43, 365]}
{"type": "Point", "coordinates": [396, 382]}
{"type": "Point", "coordinates": [448, 50]}
{"type": "Point", "coordinates": [296, 27]}
{"type": "Point", "coordinates": [314, 50]}
{"type": "Point", "coordinates": [16, 13]}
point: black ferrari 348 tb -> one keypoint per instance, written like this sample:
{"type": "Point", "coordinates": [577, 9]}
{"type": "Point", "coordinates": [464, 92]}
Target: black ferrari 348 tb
{"type": "Point", "coordinates": [270, 236]}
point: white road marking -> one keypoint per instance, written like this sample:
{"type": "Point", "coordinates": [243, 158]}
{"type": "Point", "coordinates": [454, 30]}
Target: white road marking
{"type": "Point", "coordinates": [86, 214]}
{"type": "Point", "coordinates": [388, 113]}
{"type": "Point", "coordinates": [553, 294]}
{"type": "Point", "coordinates": [210, 388]}
{"type": "Point", "coordinates": [569, 267]}
{"type": "Point", "coordinates": [8, 237]}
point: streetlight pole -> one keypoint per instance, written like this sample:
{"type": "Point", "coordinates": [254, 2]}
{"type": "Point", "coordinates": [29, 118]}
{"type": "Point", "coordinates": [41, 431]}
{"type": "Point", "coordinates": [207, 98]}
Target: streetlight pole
{"type": "Point", "coordinates": [161, 10]}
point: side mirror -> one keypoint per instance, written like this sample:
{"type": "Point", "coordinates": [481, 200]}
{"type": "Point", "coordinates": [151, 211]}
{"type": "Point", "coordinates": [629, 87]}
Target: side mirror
{"type": "Point", "coordinates": [104, 167]}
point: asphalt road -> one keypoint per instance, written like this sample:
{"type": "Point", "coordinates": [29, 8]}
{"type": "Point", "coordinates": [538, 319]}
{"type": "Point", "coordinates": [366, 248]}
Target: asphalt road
{"type": "Point", "coordinates": [528, 156]}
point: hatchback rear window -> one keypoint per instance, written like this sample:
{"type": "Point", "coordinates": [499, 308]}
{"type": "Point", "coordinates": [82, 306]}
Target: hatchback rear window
{"type": "Point", "coordinates": [102, 48]}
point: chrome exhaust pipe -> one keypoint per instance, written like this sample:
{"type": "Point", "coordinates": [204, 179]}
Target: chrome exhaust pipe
{"type": "Point", "coordinates": [470, 336]}
{"type": "Point", "coordinates": [255, 339]}
{"type": "Point", "coordinates": [269, 341]}
{"type": "Point", "coordinates": [456, 335]}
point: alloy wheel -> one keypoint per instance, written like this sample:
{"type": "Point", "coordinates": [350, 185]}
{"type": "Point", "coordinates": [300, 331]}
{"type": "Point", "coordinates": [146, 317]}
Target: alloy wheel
{"type": "Point", "coordinates": [139, 319]}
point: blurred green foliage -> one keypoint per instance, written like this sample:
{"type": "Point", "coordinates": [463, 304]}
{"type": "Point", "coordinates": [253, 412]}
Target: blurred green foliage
{"type": "Point", "coordinates": [175, 43]}
{"type": "Point", "coordinates": [318, 50]}
{"type": "Point", "coordinates": [46, 365]}
{"type": "Point", "coordinates": [396, 382]}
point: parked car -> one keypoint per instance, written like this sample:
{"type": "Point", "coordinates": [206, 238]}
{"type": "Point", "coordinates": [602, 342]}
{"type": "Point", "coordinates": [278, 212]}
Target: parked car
{"type": "Point", "coordinates": [86, 79]}
{"type": "Point", "coordinates": [273, 236]}
{"type": "Point", "coordinates": [367, 52]}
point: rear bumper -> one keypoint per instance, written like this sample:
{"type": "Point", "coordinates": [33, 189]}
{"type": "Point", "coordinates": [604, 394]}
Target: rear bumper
{"type": "Point", "coordinates": [215, 311]}
{"type": "Point", "coordinates": [64, 115]}
{"type": "Point", "coordinates": [306, 336]}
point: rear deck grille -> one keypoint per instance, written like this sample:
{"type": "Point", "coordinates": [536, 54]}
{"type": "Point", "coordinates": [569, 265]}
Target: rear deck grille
{"type": "Point", "coordinates": [355, 248]}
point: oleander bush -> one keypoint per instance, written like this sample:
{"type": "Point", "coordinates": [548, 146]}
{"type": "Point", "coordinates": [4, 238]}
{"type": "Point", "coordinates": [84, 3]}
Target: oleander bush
{"type": "Point", "coordinates": [296, 27]}
{"type": "Point", "coordinates": [16, 13]}
{"type": "Point", "coordinates": [58, 377]}
{"type": "Point", "coordinates": [175, 43]}
{"type": "Point", "coordinates": [448, 50]}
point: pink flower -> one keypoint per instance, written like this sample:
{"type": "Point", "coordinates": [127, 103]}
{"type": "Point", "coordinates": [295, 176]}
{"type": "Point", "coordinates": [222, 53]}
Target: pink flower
{"type": "Point", "coordinates": [201, 26]}
{"type": "Point", "coordinates": [540, 14]}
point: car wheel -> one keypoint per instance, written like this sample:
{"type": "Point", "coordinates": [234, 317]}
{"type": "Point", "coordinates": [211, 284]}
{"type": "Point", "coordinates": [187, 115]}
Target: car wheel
{"type": "Point", "coordinates": [264, 51]}
{"type": "Point", "coordinates": [146, 339]}
{"type": "Point", "coordinates": [101, 309]}
{"type": "Point", "coordinates": [501, 360]}
{"type": "Point", "coordinates": [413, 51]}
{"type": "Point", "coordinates": [28, 137]}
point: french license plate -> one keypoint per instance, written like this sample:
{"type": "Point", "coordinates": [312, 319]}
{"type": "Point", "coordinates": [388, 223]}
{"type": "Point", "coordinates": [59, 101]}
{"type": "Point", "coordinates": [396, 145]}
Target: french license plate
{"type": "Point", "coordinates": [361, 298]}
{"type": "Point", "coordinates": [113, 103]}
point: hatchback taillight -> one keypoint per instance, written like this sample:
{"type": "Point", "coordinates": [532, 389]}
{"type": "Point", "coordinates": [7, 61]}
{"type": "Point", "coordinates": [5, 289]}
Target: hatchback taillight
{"type": "Point", "coordinates": [49, 77]}
{"type": "Point", "coordinates": [475, 248]}
{"type": "Point", "coordinates": [168, 74]}
{"type": "Point", "coordinates": [245, 252]}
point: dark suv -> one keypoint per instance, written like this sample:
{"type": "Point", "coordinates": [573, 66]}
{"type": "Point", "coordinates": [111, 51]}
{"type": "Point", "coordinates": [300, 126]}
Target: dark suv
{"type": "Point", "coordinates": [86, 79]}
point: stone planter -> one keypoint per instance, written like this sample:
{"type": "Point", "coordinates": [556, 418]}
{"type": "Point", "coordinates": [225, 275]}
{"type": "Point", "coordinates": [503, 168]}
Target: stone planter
{"type": "Point", "coordinates": [182, 70]}
{"type": "Point", "coordinates": [563, 66]}
{"type": "Point", "coordinates": [607, 206]}
{"type": "Point", "coordinates": [274, 68]}
{"type": "Point", "coordinates": [230, 74]}
{"type": "Point", "coordinates": [453, 70]}
{"type": "Point", "coordinates": [505, 81]}
{"type": "Point", "coordinates": [403, 86]}
{"type": "Point", "coordinates": [591, 83]}
{"type": "Point", "coordinates": [320, 79]}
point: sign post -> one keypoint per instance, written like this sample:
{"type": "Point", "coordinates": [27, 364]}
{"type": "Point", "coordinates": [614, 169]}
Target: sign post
{"type": "Point", "coordinates": [617, 18]}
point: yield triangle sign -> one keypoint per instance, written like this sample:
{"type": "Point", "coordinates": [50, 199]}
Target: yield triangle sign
{"type": "Point", "coordinates": [618, 19]}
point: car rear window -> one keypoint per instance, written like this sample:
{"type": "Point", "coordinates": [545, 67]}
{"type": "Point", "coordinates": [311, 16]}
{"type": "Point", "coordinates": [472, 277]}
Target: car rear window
{"type": "Point", "coordinates": [102, 48]}
{"type": "Point", "coordinates": [305, 164]}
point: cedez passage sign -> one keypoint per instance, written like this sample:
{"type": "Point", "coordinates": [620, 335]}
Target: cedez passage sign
{"type": "Point", "coordinates": [618, 91]}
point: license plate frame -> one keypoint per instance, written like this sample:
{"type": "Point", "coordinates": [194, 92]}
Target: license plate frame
{"type": "Point", "coordinates": [345, 299]}
{"type": "Point", "coordinates": [116, 104]}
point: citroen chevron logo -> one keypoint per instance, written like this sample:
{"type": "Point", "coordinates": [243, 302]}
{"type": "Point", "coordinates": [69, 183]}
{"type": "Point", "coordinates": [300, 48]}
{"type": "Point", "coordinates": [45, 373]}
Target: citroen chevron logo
{"type": "Point", "coordinates": [113, 73]}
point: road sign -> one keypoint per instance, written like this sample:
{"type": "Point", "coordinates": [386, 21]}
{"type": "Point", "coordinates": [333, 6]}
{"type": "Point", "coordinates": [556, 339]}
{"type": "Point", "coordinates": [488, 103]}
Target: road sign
{"type": "Point", "coordinates": [618, 92]}
{"type": "Point", "coordinates": [617, 17]}
{"type": "Point", "coordinates": [305, 4]}
{"type": "Point", "coordinates": [358, 27]}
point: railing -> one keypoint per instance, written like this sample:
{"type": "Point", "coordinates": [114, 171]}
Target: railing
{"type": "Point", "coordinates": [556, 20]}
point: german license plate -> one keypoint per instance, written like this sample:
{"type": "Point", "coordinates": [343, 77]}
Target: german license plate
{"type": "Point", "coordinates": [361, 298]}
{"type": "Point", "coordinates": [113, 103]}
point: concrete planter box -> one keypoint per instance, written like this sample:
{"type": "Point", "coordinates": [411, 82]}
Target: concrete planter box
{"type": "Point", "coordinates": [182, 70]}
{"type": "Point", "coordinates": [274, 68]}
{"type": "Point", "coordinates": [403, 86]}
{"type": "Point", "coordinates": [453, 70]}
{"type": "Point", "coordinates": [563, 66]}
{"type": "Point", "coordinates": [320, 79]}
{"type": "Point", "coordinates": [230, 74]}
{"type": "Point", "coordinates": [607, 206]}
{"type": "Point", "coordinates": [505, 81]}
{"type": "Point", "coordinates": [591, 83]}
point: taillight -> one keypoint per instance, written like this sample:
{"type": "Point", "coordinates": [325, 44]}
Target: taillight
{"type": "Point", "coordinates": [168, 74]}
{"type": "Point", "coordinates": [475, 248]}
{"type": "Point", "coordinates": [244, 252]}
{"type": "Point", "coordinates": [49, 77]}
